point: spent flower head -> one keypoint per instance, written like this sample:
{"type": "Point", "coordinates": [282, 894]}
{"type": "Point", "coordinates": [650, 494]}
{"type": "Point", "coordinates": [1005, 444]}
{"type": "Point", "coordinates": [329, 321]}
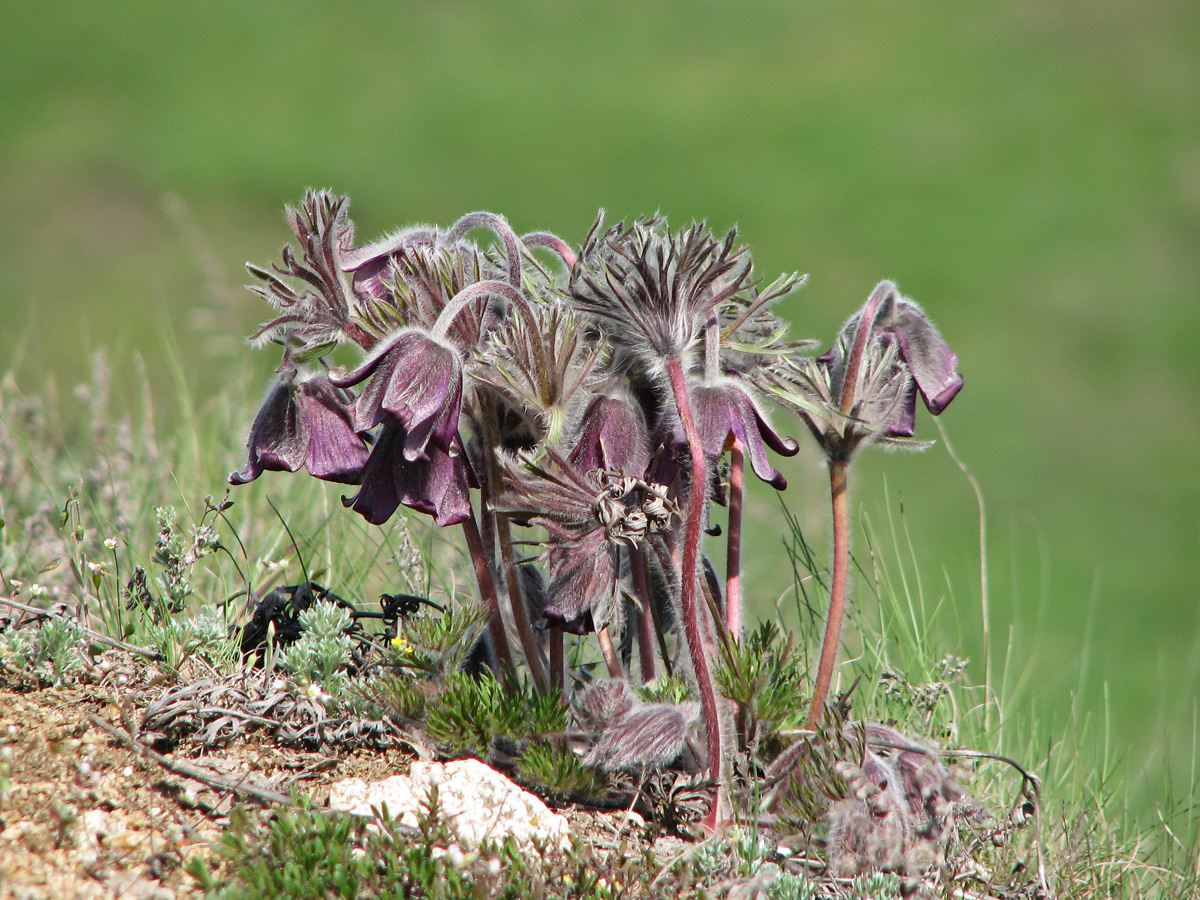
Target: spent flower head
{"type": "Point", "coordinates": [654, 291]}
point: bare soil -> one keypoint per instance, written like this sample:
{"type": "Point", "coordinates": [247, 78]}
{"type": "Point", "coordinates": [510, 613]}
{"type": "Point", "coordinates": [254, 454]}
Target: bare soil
{"type": "Point", "coordinates": [84, 816]}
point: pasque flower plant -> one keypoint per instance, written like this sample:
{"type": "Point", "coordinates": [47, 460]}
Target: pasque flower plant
{"type": "Point", "coordinates": [582, 401]}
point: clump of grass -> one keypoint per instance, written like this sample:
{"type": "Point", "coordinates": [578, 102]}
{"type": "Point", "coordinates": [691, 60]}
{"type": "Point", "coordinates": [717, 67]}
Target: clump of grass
{"type": "Point", "coordinates": [557, 769]}
{"type": "Point", "coordinates": [306, 854]}
{"type": "Point", "coordinates": [471, 713]}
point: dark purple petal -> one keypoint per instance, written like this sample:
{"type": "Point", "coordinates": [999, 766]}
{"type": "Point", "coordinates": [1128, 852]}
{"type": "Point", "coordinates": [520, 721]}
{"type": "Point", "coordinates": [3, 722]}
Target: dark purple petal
{"type": "Point", "coordinates": [278, 438]}
{"type": "Point", "coordinates": [371, 264]}
{"type": "Point", "coordinates": [378, 497]}
{"type": "Point", "coordinates": [583, 580]}
{"type": "Point", "coordinates": [904, 424]}
{"type": "Point", "coordinates": [437, 486]}
{"type": "Point", "coordinates": [415, 382]}
{"type": "Point", "coordinates": [933, 364]}
{"type": "Point", "coordinates": [425, 394]}
{"type": "Point", "coordinates": [613, 438]}
{"type": "Point", "coordinates": [336, 452]}
{"type": "Point", "coordinates": [724, 412]}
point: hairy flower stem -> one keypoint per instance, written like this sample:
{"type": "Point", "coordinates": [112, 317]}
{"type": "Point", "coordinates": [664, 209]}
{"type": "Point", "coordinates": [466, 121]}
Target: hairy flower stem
{"type": "Point", "coordinates": [733, 559]}
{"type": "Point", "coordinates": [645, 614]}
{"type": "Point", "coordinates": [479, 289]}
{"type": "Point", "coordinates": [487, 590]}
{"type": "Point", "coordinates": [689, 607]}
{"type": "Point", "coordinates": [862, 334]}
{"type": "Point", "coordinates": [558, 660]}
{"type": "Point", "coordinates": [516, 598]}
{"type": "Point", "coordinates": [838, 468]}
{"type": "Point", "coordinates": [551, 242]}
{"type": "Point", "coordinates": [839, 495]}
{"type": "Point", "coordinates": [503, 533]}
{"type": "Point", "coordinates": [499, 226]}
{"type": "Point", "coordinates": [612, 662]}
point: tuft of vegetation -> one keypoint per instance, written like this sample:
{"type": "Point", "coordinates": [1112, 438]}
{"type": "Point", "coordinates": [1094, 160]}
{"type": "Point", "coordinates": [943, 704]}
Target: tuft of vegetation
{"type": "Point", "coordinates": [306, 854]}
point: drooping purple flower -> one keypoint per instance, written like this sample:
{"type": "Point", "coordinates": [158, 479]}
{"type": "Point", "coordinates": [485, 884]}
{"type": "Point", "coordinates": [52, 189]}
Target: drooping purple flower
{"type": "Point", "coordinates": [725, 412]}
{"type": "Point", "coordinates": [864, 389]}
{"type": "Point", "coordinates": [416, 382]}
{"type": "Point", "coordinates": [436, 485]}
{"type": "Point", "coordinates": [928, 359]}
{"type": "Point", "coordinates": [304, 422]}
{"type": "Point", "coordinates": [612, 437]}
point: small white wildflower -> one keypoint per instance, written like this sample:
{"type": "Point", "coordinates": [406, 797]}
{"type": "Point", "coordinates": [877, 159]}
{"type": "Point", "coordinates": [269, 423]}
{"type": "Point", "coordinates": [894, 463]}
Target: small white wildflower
{"type": "Point", "coordinates": [315, 692]}
{"type": "Point", "coordinates": [97, 568]}
{"type": "Point", "coordinates": [16, 585]}
{"type": "Point", "coordinates": [272, 565]}
{"type": "Point", "coordinates": [455, 856]}
{"type": "Point", "coordinates": [110, 543]}
{"type": "Point", "coordinates": [278, 685]}
{"type": "Point", "coordinates": [36, 590]}
{"type": "Point", "coordinates": [6, 753]}
{"type": "Point", "coordinates": [127, 771]}
{"type": "Point", "coordinates": [493, 867]}
{"type": "Point", "coordinates": [437, 852]}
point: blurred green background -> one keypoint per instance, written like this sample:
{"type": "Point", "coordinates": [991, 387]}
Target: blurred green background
{"type": "Point", "coordinates": [1028, 171]}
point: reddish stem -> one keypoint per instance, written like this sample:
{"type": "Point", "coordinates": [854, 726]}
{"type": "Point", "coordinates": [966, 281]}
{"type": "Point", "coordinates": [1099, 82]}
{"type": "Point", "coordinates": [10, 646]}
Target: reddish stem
{"type": "Point", "coordinates": [688, 568]}
{"type": "Point", "coordinates": [866, 325]}
{"type": "Point", "coordinates": [837, 593]}
{"type": "Point", "coordinates": [611, 661]}
{"type": "Point", "coordinates": [501, 532]}
{"type": "Point", "coordinates": [641, 589]}
{"type": "Point", "coordinates": [553, 242]}
{"type": "Point", "coordinates": [487, 590]}
{"type": "Point", "coordinates": [557, 660]}
{"type": "Point", "coordinates": [733, 559]}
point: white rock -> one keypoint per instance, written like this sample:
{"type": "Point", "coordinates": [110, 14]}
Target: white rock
{"type": "Point", "coordinates": [475, 801]}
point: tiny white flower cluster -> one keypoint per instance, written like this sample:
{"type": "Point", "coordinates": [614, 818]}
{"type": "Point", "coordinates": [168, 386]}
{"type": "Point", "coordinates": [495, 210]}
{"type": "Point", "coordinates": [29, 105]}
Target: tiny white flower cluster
{"type": "Point", "coordinates": [460, 859]}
